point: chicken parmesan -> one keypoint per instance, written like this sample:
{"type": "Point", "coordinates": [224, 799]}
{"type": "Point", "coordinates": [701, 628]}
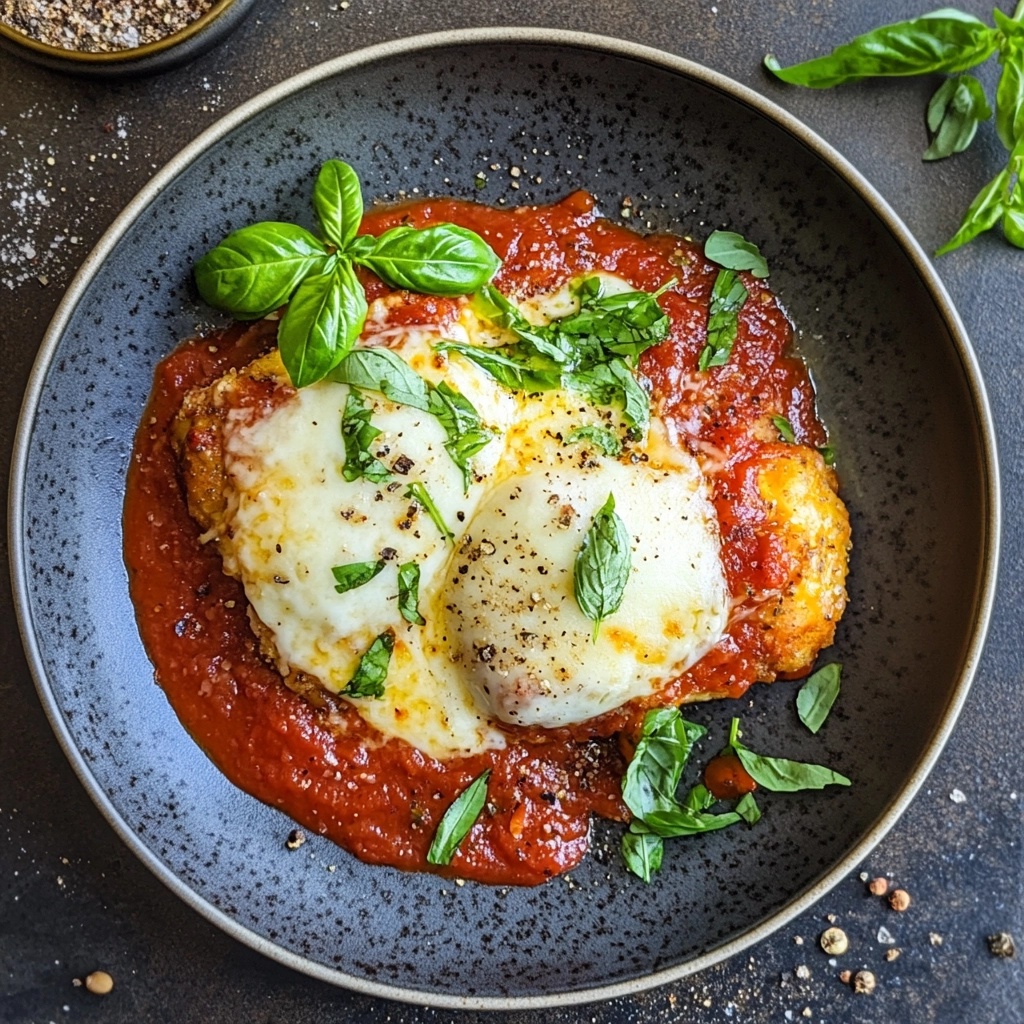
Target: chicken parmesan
{"type": "Point", "coordinates": [444, 561]}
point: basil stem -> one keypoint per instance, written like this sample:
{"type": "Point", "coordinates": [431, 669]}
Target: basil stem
{"type": "Point", "coordinates": [321, 324]}
{"type": "Point", "coordinates": [734, 252]}
{"type": "Point", "coordinates": [815, 698]}
{"type": "Point", "coordinates": [358, 433]}
{"type": "Point", "coordinates": [727, 298]}
{"type": "Point", "coordinates": [602, 566]}
{"type": "Point", "coordinates": [458, 820]}
{"type": "Point", "coordinates": [418, 493]}
{"type": "Point", "coordinates": [945, 40]}
{"type": "Point", "coordinates": [372, 670]}
{"type": "Point", "coordinates": [954, 113]}
{"type": "Point", "coordinates": [409, 593]}
{"type": "Point", "coordinates": [338, 202]}
{"type": "Point", "coordinates": [255, 269]}
{"type": "Point", "coordinates": [441, 260]}
{"type": "Point", "coordinates": [355, 574]}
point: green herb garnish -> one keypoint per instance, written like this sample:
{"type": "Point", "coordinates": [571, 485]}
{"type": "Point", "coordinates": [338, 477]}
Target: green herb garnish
{"type": "Point", "coordinates": [643, 853]}
{"type": "Point", "coordinates": [779, 774]}
{"type": "Point", "coordinates": [816, 697]}
{"type": "Point", "coordinates": [380, 369]}
{"type": "Point", "coordinates": [358, 433]}
{"type": "Point", "coordinates": [828, 453]}
{"type": "Point", "coordinates": [602, 566]}
{"type": "Point", "coordinates": [355, 574]}
{"type": "Point", "coordinates": [947, 41]}
{"type": "Point", "coordinates": [734, 252]}
{"type": "Point", "coordinates": [785, 429]}
{"type": "Point", "coordinates": [466, 434]}
{"type": "Point", "coordinates": [457, 821]}
{"type": "Point", "coordinates": [727, 298]}
{"type": "Point", "coordinates": [372, 670]}
{"type": "Point", "coordinates": [409, 593]}
{"type": "Point", "coordinates": [422, 497]}
{"type": "Point", "coordinates": [261, 267]}
{"type": "Point", "coordinates": [601, 437]}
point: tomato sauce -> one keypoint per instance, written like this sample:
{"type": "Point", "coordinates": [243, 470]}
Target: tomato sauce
{"type": "Point", "coordinates": [325, 767]}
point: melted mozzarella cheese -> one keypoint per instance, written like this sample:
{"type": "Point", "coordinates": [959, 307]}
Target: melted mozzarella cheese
{"type": "Point", "coordinates": [504, 639]}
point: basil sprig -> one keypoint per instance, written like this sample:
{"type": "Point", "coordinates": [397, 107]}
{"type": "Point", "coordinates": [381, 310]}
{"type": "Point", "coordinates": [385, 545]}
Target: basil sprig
{"type": "Point", "coordinates": [592, 351]}
{"type": "Point", "coordinates": [458, 820]}
{"type": "Point", "coordinates": [372, 670]}
{"type": "Point", "coordinates": [779, 774]}
{"type": "Point", "coordinates": [259, 268]}
{"type": "Point", "coordinates": [815, 698]}
{"type": "Point", "coordinates": [947, 41]}
{"type": "Point", "coordinates": [602, 566]}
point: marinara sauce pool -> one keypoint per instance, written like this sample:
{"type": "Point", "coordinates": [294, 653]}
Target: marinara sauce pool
{"type": "Point", "coordinates": [324, 766]}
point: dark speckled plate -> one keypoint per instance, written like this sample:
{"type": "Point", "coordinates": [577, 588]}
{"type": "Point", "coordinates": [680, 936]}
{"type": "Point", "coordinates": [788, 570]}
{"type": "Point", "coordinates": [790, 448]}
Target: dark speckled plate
{"type": "Point", "coordinates": [898, 386]}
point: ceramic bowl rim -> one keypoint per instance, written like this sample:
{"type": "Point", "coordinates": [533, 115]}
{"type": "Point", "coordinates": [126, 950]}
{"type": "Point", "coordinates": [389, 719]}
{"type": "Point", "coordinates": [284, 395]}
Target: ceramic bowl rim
{"type": "Point", "coordinates": [985, 586]}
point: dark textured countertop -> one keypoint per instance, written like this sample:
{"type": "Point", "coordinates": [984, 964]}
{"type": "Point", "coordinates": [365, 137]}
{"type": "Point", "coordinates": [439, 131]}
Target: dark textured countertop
{"type": "Point", "coordinates": [73, 899]}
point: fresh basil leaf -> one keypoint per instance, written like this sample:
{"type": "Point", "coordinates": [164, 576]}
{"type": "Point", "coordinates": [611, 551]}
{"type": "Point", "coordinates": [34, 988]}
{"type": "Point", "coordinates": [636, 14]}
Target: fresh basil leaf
{"type": "Point", "coordinates": [490, 304]}
{"type": "Point", "coordinates": [409, 593]}
{"type": "Point", "coordinates": [677, 821]}
{"type": "Point", "coordinates": [511, 365]}
{"type": "Point", "coordinates": [945, 40]}
{"type": "Point", "coordinates": [700, 798]}
{"type": "Point", "coordinates": [642, 853]}
{"type": "Point", "coordinates": [748, 810]}
{"type": "Point", "coordinates": [1010, 90]}
{"type": "Point", "coordinates": [727, 298]}
{"type": "Point", "coordinates": [358, 433]}
{"type": "Point", "coordinates": [355, 574]}
{"type": "Point", "coordinates": [652, 776]}
{"type": "Point", "coordinates": [372, 670]}
{"type": "Point", "coordinates": [338, 202]}
{"type": "Point", "coordinates": [382, 370]}
{"type": "Point", "coordinates": [458, 820]}
{"type": "Point", "coordinates": [954, 114]}
{"type": "Point", "coordinates": [602, 437]}
{"type": "Point", "coordinates": [613, 384]}
{"type": "Point", "coordinates": [624, 323]}
{"type": "Point", "coordinates": [734, 252]}
{"type": "Point", "coordinates": [321, 323]}
{"type": "Point", "coordinates": [441, 260]}
{"type": "Point", "coordinates": [602, 566]}
{"type": "Point", "coordinates": [816, 697]}
{"type": "Point", "coordinates": [466, 434]}
{"type": "Point", "coordinates": [255, 269]}
{"type": "Point", "coordinates": [781, 775]}
{"type": "Point", "coordinates": [418, 493]}
{"type": "Point", "coordinates": [785, 429]}
{"type": "Point", "coordinates": [1013, 227]}
{"type": "Point", "coordinates": [982, 215]}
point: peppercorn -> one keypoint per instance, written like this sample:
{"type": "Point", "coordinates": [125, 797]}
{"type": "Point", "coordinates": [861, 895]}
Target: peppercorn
{"type": "Point", "coordinates": [295, 839]}
{"type": "Point", "coordinates": [1002, 944]}
{"type": "Point", "coordinates": [834, 941]}
{"type": "Point", "coordinates": [899, 900]}
{"type": "Point", "coordinates": [99, 983]}
{"type": "Point", "coordinates": [864, 983]}
{"type": "Point", "coordinates": [878, 886]}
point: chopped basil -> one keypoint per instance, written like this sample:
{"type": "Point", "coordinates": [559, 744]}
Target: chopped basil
{"type": "Point", "coordinates": [355, 574]}
{"type": "Point", "coordinates": [602, 566]}
{"type": "Point", "coordinates": [514, 368]}
{"type": "Point", "coordinates": [643, 853]}
{"type": "Point", "coordinates": [358, 433]}
{"type": "Point", "coordinates": [602, 437]}
{"type": "Point", "coordinates": [828, 453]}
{"type": "Point", "coordinates": [653, 774]}
{"type": "Point", "coordinates": [785, 429]}
{"type": "Point", "coordinates": [380, 369]}
{"type": "Point", "coordinates": [421, 496]}
{"type": "Point", "coordinates": [779, 774]}
{"type": "Point", "coordinates": [734, 252]}
{"type": "Point", "coordinates": [466, 434]}
{"type": "Point", "coordinates": [409, 593]}
{"type": "Point", "coordinates": [613, 384]}
{"type": "Point", "coordinates": [748, 810]}
{"type": "Point", "coordinates": [727, 298]}
{"type": "Point", "coordinates": [817, 695]}
{"type": "Point", "coordinates": [457, 821]}
{"type": "Point", "coordinates": [372, 670]}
